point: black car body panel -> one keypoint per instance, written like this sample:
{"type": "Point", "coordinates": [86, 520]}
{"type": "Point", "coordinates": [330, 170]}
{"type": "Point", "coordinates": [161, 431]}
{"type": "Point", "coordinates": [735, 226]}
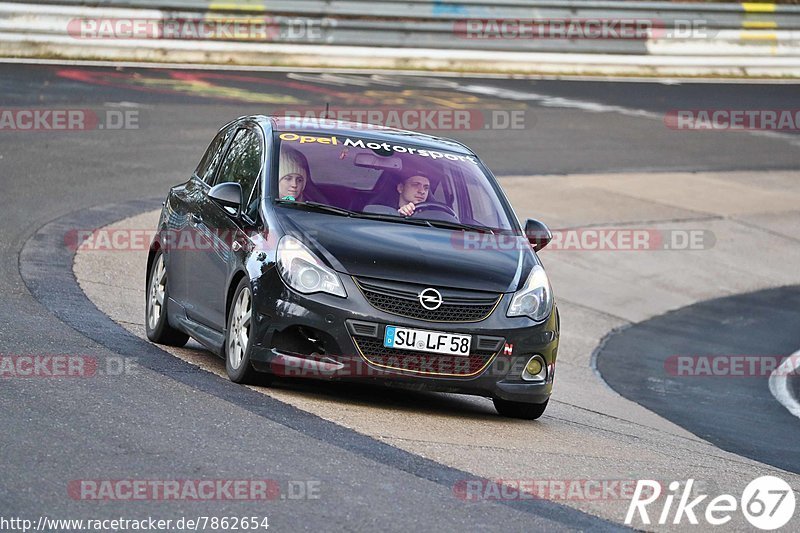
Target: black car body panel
{"type": "Point", "coordinates": [414, 254]}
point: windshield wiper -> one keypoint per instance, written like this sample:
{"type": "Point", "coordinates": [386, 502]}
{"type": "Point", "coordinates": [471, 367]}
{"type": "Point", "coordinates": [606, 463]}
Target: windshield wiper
{"type": "Point", "coordinates": [392, 218]}
{"type": "Point", "coordinates": [316, 206]}
{"type": "Point", "coordinates": [325, 208]}
{"type": "Point", "coordinates": [459, 225]}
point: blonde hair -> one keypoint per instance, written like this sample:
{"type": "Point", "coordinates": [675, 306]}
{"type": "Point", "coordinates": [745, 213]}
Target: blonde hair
{"type": "Point", "coordinates": [292, 162]}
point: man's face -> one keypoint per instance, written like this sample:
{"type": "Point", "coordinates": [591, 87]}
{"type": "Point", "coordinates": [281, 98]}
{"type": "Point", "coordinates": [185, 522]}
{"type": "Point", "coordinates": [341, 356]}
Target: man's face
{"type": "Point", "coordinates": [414, 189]}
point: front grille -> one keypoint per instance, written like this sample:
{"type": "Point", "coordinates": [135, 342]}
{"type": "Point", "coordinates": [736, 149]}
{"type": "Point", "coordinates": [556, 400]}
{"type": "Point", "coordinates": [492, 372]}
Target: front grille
{"type": "Point", "coordinates": [402, 299]}
{"type": "Point", "coordinates": [373, 351]}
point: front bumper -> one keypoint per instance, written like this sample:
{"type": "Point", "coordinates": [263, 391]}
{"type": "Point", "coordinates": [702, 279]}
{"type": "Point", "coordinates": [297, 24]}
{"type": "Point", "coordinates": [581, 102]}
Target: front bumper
{"type": "Point", "coordinates": [326, 337]}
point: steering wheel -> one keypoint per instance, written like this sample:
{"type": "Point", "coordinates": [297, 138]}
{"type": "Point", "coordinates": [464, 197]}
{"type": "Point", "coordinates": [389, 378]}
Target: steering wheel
{"type": "Point", "coordinates": [432, 206]}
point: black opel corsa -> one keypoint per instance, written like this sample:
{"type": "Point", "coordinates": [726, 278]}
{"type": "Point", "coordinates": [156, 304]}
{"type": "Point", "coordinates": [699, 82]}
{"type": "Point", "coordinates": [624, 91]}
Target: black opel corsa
{"type": "Point", "coordinates": [343, 251]}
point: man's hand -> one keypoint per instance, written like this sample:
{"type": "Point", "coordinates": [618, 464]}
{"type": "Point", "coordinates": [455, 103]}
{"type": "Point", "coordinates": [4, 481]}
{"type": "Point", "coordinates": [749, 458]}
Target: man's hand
{"type": "Point", "coordinates": [408, 209]}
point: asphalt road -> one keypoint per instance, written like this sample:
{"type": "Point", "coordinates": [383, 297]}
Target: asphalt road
{"type": "Point", "coordinates": [170, 422]}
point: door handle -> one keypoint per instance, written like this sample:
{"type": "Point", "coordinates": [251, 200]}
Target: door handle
{"type": "Point", "coordinates": [236, 246]}
{"type": "Point", "coordinates": [194, 219]}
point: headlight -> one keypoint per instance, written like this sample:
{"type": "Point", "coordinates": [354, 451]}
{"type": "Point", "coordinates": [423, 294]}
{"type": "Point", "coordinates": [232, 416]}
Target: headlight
{"type": "Point", "coordinates": [302, 271]}
{"type": "Point", "coordinates": [535, 299]}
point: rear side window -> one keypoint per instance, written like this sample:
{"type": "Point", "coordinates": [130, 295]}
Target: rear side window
{"type": "Point", "coordinates": [242, 165]}
{"type": "Point", "coordinates": [210, 162]}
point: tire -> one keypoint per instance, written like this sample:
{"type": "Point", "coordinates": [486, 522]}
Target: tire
{"type": "Point", "coordinates": [238, 340]}
{"type": "Point", "coordinates": [526, 411]}
{"type": "Point", "coordinates": [155, 316]}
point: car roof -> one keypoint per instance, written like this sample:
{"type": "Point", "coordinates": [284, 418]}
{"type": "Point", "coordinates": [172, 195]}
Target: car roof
{"type": "Point", "coordinates": [358, 129]}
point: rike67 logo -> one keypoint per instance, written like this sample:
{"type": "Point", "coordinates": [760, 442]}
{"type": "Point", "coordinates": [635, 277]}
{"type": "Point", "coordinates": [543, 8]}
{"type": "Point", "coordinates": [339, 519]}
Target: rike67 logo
{"type": "Point", "coordinates": [767, 503]}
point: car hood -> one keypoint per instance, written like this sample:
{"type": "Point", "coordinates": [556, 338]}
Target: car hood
{"type": "Point", "coordinates": [414, 254]}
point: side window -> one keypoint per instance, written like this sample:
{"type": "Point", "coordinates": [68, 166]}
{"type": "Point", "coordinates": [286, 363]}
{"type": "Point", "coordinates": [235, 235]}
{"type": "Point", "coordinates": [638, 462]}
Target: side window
{"type": "Point", "coordinates": [242, 164]}
{"type": "Point", "coordinates": [210, 162]}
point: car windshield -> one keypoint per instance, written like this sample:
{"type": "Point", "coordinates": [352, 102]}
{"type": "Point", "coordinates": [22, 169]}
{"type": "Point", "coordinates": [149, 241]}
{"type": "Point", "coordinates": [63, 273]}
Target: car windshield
{"type": "Point", "coordinates": [367, 177]}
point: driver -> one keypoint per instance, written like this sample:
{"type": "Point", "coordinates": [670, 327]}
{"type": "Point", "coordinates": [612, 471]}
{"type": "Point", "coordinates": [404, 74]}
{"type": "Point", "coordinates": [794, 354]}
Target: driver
{"type": "Point", "coordinates": [413, 190]}
{"type": "Point", "coordinates": [293, 174]}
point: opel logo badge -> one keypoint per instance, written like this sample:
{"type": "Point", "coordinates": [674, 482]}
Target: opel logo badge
{"type": "Point", "coordinates": [430, 299]}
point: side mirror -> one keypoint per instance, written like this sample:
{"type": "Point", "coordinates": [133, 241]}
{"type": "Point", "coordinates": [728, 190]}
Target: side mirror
{"type": "Point", "coordinates": [538, 234]}
{"type": "Point", "coordinates": [227, 195]}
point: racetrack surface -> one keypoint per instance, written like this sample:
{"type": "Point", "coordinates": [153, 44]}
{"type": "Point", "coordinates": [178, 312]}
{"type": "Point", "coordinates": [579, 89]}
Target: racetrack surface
{"type": "Point", "coordinates": [173, 420]}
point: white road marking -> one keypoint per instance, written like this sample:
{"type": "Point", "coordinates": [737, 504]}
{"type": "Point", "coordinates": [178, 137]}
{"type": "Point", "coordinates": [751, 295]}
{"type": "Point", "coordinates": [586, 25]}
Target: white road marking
{"type": "Point", "coordinates": [779, 385]}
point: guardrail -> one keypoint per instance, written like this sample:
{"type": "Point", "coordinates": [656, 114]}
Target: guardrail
{"type": "Point", "coordinates": [728, 15]}
{"type": "Point", "coordinates": [512, 26]}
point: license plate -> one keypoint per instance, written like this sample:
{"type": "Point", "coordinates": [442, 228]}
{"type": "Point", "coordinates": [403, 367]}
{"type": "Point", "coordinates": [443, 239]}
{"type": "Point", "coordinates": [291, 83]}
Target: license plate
{"type": "Point", "coordinates": [427, 341]}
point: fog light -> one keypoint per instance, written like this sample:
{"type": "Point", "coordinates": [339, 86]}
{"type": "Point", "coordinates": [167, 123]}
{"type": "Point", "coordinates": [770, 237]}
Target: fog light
{"type": "Point", "coordinates": [535, 369]}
